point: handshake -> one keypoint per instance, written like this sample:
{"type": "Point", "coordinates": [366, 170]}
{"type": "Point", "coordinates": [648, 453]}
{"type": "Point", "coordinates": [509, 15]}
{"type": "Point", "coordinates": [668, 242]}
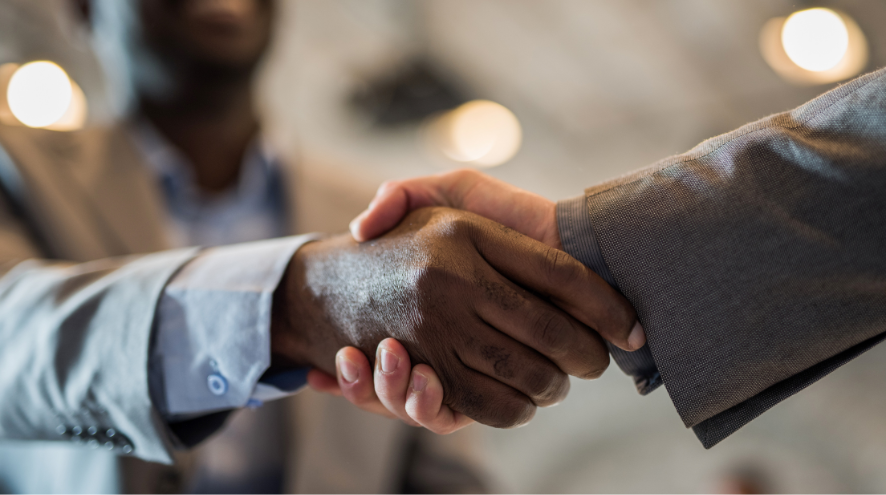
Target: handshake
{"type": "Point", "coordinates": [462, 295]}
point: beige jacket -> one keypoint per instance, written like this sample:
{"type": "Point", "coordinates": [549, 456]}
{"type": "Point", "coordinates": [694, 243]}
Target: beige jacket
{"type": "Point", "coordinates": [74, 334]}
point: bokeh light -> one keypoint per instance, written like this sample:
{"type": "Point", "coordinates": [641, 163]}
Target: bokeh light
{"type": "Point", "coordinates": [815, 39]}
{"type": "Point", "coordinates": [75, 116]}
{"type": "Point", "coordinates": [39, 94]}
{"type": "Point", "coordinates": [480, 132]}
{"type": "Point", "coordinates": [814, 46]}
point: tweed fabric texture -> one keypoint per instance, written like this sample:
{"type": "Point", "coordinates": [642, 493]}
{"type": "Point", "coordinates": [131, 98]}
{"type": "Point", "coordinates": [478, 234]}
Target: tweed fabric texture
{"type": "Point", "coordinates": [757, 260]}
{"type": "Point", "coordinates": [712, 431]}
{"type": "Point", "coordinates": [579, 240]}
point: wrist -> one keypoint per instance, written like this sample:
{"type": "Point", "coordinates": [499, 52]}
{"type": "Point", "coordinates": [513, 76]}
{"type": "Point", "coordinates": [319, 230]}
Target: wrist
{"type": "Point", "coordinates": [291, 344]}
{"type": "Point", "coordinates": [302, 334]}
{"type": "Point", "coordinates": [287, 349]}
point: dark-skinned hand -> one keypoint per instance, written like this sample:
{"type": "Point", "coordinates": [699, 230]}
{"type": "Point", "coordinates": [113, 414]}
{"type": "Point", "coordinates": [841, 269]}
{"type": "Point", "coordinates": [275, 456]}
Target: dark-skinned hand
{"type": "Point", "coordinates": [500, 317]}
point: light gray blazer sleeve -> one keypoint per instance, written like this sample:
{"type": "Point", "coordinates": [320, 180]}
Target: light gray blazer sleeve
{"type": "Point", "coordinates": [757, 260]}
{"type": "Point", "coordinates": [74, 342]}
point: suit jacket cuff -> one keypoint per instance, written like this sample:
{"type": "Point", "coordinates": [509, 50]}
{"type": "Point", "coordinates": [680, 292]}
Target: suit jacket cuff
{"type": "Point", "coordinates": [749, 258]}
{"type": "Point", "coordinates": [577, 236]}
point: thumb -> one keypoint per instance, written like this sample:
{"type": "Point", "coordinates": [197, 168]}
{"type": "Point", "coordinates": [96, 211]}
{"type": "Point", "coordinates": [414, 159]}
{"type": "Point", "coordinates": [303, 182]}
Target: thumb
{"type": "Point", "coordinates": [392, 202]}
{"type": "Point", "coordinates": [469, 190]}
{"type": "Point", "coordinates": [384, 212]}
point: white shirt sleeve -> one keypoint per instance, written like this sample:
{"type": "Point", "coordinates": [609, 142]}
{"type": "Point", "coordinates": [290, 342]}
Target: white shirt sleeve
{"type": "Point", "coordinates": [212, 339]}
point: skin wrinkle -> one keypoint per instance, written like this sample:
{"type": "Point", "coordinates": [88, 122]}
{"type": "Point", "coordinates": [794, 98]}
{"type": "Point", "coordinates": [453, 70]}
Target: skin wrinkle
{"type": "Point", "coordinates": [514, 408]}
{"type": "Point", "coordinates": [502, 295]}
{"type": "Point", "coordinates": [500, 359]}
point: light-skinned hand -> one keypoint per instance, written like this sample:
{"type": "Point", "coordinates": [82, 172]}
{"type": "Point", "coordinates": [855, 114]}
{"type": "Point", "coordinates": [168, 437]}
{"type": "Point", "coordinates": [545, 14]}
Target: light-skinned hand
{"type": "Point", "coordinates": [523, 211]}
{"type": "Point", "coordinates": [411, 394]}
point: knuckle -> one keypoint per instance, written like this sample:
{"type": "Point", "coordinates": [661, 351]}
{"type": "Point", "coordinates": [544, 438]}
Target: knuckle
{"type": "Point", "coordinates": [461, 224]}
{"type": "Point", "coordinates": [548, 387]}
{"type": "Point", "coordinates": [513, 412]}
{"type": "Point", "coordinates": [428, 274]}
{"type": "Point", "coordinates": [558, 267]}
{"type": "Point", "coordinates": [550, 334]}
{"type": "Point", "coordinates": [500, 360]}
{"type": "Point", "coordinates": [499, 294]}
{"type": "Point", "coordinates": [596, 367]}
{"type": "Point", "coordinates": [502, 407]}
{"type": "Point", "coordinates": [451, 226]}
{"type": "Point", "coordinates": [434, 278]}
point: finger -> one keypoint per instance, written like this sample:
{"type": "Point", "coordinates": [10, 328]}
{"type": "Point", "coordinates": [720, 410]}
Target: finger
{"type": "Point", "coordinates": [392, 202]}
{"type": "Point", "coordinates": [355, 381]}
{"type": "Point", "coordinates": [323, 382]}
{"type": "Point", "coordinates": [392, 369]}
{"type": "Point", "coordinates": [575, 348]}
{"type": "Point", "coordinates": [566, 281]}
{"type": "Point", "coordinates": [501, 357]}
{"type": "Point", "coordinates": [464, 189]}
{"type": "Point", "coordinates": [486, 400]}
{"type": "Point", "coordinates": [425, 403]}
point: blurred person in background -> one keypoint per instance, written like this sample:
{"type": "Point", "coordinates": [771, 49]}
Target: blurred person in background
{"type": "Point", "coordinates": [190, 168]}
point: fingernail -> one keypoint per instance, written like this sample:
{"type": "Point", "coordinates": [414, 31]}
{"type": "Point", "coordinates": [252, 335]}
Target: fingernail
{"type": "Point", "coordinates": [348, 370]}
{"type": "Point", "coordinates": [419, 382]}
{"type": "Point", "coordinates": [637, 337]}
{"type": "Point", "coordinates": [389, 361]}
{"type": "Point", "coordinates": [354, 226]}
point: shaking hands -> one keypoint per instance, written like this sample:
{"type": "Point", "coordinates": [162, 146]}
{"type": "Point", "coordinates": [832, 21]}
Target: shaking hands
{"type": "Point", "coordinates": [468, 307]}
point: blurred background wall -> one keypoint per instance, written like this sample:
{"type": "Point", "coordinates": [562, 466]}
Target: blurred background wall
{"type": "Point", "coordinates": [600, 88]}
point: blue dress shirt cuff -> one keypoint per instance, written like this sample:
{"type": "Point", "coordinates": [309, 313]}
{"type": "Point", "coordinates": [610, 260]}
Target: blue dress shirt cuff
{"type": "Point", "coordinates": [579, 240]}
{"type": "Point", "coordinates": [212, 340]}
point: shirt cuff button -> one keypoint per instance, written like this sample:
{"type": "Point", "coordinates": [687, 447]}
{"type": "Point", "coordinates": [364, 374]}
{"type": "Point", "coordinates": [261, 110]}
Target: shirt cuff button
{"type": "Point", "coordinates": [217, 384]}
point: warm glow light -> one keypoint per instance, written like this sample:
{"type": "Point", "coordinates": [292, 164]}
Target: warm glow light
{"type": "Point", "coordinates": [75, 116]}
{"type": "Point", "coordinates": [39, 94]}
{"type": "Point", "coordinates": [480, 132]}
{"type": "Point", "coordinates": [815, 39]}
{"type": "Point", "coordinates": [814, 46]}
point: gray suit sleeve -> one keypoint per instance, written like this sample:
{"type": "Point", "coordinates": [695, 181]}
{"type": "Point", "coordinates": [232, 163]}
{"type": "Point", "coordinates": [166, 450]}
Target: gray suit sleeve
{"type": "Point", "coordinates": [757, 260]}
{"type": "Point", "coordinates": [577, 236]}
